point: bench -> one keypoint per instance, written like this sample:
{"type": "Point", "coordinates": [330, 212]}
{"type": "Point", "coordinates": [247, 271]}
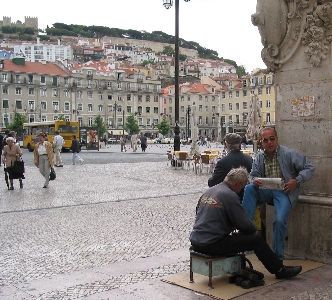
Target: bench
{"type": "Point", "coordinates": [210, 265]}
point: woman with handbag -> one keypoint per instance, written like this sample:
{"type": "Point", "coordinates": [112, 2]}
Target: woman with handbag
{"type": "Point", "coordinates": [12, 153]}
{"type": "Point", "coordinates": [43, 157]}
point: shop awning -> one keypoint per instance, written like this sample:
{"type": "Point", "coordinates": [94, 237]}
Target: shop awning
{"type": "Point", "coordinates": [117, 132]}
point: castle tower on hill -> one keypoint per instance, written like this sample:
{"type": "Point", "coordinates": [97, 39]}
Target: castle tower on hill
{"type": "Point", "coordinates": [30, 22]}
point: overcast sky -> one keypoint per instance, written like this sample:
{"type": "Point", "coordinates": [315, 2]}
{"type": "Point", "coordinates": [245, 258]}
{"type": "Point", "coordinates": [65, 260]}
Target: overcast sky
{"type": "Point", "coordinates": [221, 25]}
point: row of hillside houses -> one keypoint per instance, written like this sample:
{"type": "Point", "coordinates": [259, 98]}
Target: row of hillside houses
{"type": "Point", "coordinates": [120, 55]}
{"type": "Point", "coordinates": [43, 91]}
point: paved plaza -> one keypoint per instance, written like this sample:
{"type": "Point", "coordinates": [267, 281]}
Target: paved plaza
{"type": "Point", "coordinates": [111, 229]}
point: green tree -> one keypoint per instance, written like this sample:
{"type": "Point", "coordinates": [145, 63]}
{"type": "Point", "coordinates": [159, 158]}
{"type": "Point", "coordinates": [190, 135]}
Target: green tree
{"type": "Point", "coordinates": [131, 124]}
{"type": "Point", "coordinates": [146, 62]}
{"type": "Point", "coordinates": [100, 126]}
{"type": "Point", "coordinates": [163, 127]}
{"type": "Point", "coordinates": [241, 71]}
{"type": "Point", "coordinates": [61, 118]}
{"type": "Point", "coordinates": [168, 50]}
{"type": "Point", "coordinates": [17, 124]}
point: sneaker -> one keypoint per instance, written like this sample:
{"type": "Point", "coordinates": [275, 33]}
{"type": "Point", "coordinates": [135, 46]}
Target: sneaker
{"type": "Point", "coordinates": [288, 272]}
{"type": "Point", "coordinates": [11, 188]}
{"type": "Point", "coordinates": [45, 186]}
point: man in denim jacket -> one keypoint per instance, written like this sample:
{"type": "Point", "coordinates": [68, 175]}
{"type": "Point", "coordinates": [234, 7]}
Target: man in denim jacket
{"type": "Point", "coordinates": [276, 162]}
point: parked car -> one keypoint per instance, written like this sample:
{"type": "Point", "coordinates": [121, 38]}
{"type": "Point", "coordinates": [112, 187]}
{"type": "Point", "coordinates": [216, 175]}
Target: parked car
{"type": "Point", "coordinates": [113, 141]}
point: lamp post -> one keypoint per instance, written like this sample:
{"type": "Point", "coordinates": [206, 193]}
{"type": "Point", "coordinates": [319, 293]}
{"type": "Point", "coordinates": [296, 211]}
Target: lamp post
{"type": "Point", "coordinates": [168, 4]}
{"type": "Point", "coordinates": [6, 117]}
{"type": "Point", "coordinates": [188, 122]}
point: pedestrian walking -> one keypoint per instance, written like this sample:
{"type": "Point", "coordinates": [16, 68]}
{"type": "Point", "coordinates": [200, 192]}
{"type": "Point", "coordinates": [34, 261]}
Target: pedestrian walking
{"type": "Point", "coordinates": [144, 141]}
{"type": "Point", "coordinates": [75, 148]}
{"type": "Point", "coordinates": [123, 144]}
{"type": "Point", "coordinates": [58, 142]}
{"type": "Point", "coordinates": [208, 142]}
{"type": "Point", "coordinates": [244, 142]}
{"type": "Point", "coordinates": [43, 157]}
{"type": "Point", "coordinates": [134, 140]}
{"type": "Point", "coordinates": [10, 153]}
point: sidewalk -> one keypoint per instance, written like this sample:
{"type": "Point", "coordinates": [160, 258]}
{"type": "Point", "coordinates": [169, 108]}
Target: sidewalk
{"type": "Point", "coordinates": [112, 232]}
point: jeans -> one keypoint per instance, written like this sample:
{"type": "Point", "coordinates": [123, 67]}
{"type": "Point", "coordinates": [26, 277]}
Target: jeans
{"type": "Point", "coordinates": [75, 155]}
{"type": "Point", "coordinates": [237, 243]}
{"type": "Point", "coordinates": [282, 205]}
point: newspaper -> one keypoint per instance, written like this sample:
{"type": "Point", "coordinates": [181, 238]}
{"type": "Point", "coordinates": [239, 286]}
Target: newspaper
{"type": "Point", "coordinates": [272, 183]}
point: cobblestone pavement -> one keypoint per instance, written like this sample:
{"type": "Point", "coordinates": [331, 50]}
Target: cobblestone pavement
{"type": "Point", "coordinates": [107, 231]}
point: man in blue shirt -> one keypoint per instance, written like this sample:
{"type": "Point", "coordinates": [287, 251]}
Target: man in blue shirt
{"type": "Point", "coordinates": [276, 162]}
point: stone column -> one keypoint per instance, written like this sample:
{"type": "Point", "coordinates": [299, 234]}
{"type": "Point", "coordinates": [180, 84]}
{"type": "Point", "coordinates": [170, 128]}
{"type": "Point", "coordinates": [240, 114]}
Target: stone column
{"type": "Point", "coordinates": [297, 36]}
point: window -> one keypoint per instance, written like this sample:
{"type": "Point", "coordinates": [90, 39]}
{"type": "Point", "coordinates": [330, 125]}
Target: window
{"type": "Point", "coordinates": [31, 91]}
{"type": "Point", "coordinates": [90, 95]}
{"type": "Point", "coordinates": [147, 98]}
{"type": "Point", "coordinates": [244, 83]}
{"type": "Point", "coordinates": [43, 118]}
{"type": "Point", "coordinates": [80, 121]}
{"type": "Point", "coordinates": [206, 98]}
{"type": "Point", "coordinates": [5, 103]}
{"type": "Point", "coordinates": [89, 84]}
{"type": "Point", "coordinates": [237, 94]}
{"type": "Point", "coordinates": [223, 107]}
{"type": "Point", "coordinates": [182, 98]}
{"type": "Point", "coordinates": [182, 108]}
{"type": "Point", "coordinates": [90, 121]}
{"type": "Point", "coordinates": [66, 93]}
{"type": "Point", "coordinates": [268, 118]}
{"type": "Point", "coordinates": [55, 105]}
{"type": "Point", "coordinates": [268, 90]}
{"type": "Point", "coordinates": [156, 99]}
{"type": "Point", "coordinates": [139, 98]}
{"type": "Point", "coordinates": [269, 80]}
{"type": "Point", "coordinates": [43, 105]}
{"type": "Point", "coordinates": [182, 121]}
{"type": "Point", "coordinates": [213, 120]}
{"type": "Point", "coordinates": [18, 91]}
{"type": "Point", "coordinates": [230, 95]}
{"type": "Point", "coordinates": [213, 109]}
{"type": "Point", "coordinates": [206, 108]}
{"type": "Point", "coordinates": [230, 106]}
{"type": "Point", "coordinates": [43, 92]}
{"type": "Point", "coordinates": [100, 108]}
{"type": "Point", "coordinates": [237, 105]}
{"type": "Point", "coordinates": [5, 90]}
{"type": "Point", "coordinates": [79, 82]}
{"type": "Point", "coordinates": [79, 106]}
{"type": "Point", "coordinates": [109, 85]}
{"type": "Point", "coordinates": [188, 98]}
{"type": "Point", "coordinates": [170, 101]}
{"type": "Point", "coordinates": [260, 103]}
{"type": "Point", "coordinates": [170, 110]}
{"type": "Point", "coordinates": [200, 120]}
{"type": "Point", "coordinates": [66, 81]}
{"type": "Point", "coordinates": [164, 100]}
{"type": "Point", "coordinates": [200, 107]}
{"type": "Point", "coordinates": [31, 118]}
{"type": "Point", "coordinates": [79, 95]}
{"type": "Point", "coordinates": [213, 98]}
{"type": "Point", "coordinates": [252, 92]}
{"type": "Point", "coordinates": [147, 109]}
{"type": "Point", "coordinates": [18, 104]}
{"type": "Point", "coordinates": [4, 77]}
{"type": "Point", "coordinates": [109, 96]}
{"type": "Point", "coordinates": [200, 98]}
{"type": "Point", "coordinates": [31, 104]}
{"type": "Point", "coordinates": [245, 93]}
{"type": "Point", "coordinates": [66, 106]}
{"type": "Point", "coordinates": [54, 92]}
{"type": "Point", "coordinates": [155, 110]}
{"type": "Point", "coordinates": [223, 120]}
{"type": "Point", "coordinates": [129, 97]}
{"type": "Point", "coordinates": [245, 105]}
{"type": "Point", "coordinates": [259, 91]}
{"type": "Point", "coordinates": [42, 79]}
{"type": "Point", "coordinates": [129, 109]}
{"type": "Point", "coordinates": [268, 103]}
{"type": "Point", "coordinates": [90, 107]}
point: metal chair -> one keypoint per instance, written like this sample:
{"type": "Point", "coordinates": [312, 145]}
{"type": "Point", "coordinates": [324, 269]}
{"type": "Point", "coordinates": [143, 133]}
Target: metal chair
{"type": "Point", "coordinates": [183, 160]}
{"type": "Point", "coordinates": [169, 158]}
{"type": "Point", "coordinates": [206, 163]}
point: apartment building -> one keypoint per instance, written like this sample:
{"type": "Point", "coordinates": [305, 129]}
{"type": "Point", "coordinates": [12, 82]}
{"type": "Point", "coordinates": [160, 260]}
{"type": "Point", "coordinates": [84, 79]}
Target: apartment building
{"type": "Point", "coordinates": [44, 91]}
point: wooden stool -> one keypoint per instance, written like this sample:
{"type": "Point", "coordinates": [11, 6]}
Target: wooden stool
{"type": "Point", "coordinates": [210, 266]}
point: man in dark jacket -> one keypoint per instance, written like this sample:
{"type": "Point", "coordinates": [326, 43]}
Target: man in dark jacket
{"type": "Point", "coordinates": [75, 148]}
{"type": "Point", "coordinates": [219, 212]}
{"type": "Point", "coordinates": [234, 159]}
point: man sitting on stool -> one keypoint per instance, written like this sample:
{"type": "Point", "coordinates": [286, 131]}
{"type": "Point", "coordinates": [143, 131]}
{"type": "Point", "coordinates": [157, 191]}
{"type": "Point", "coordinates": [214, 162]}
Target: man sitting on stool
{"type": "Point", "coordinates": [219, 212]}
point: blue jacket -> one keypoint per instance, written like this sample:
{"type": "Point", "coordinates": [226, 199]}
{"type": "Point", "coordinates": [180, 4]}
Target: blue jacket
{"type": "Point", "coordinates": [292, 164]}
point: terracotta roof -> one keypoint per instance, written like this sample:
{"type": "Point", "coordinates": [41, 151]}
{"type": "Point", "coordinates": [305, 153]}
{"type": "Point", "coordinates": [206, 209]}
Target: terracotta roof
{"type": "Point", "coordinates": [198, 88]}
{"type": "Point", "coordinates": [34, 68]}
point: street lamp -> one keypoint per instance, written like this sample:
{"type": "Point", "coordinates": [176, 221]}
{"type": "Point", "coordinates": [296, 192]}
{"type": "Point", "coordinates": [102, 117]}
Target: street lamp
{"type": "Point", "coordinates": [168, 4]}
{"type": "Point", "coordinates": [188, 122]}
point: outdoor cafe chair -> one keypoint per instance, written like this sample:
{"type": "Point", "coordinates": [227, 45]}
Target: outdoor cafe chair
{"type": "Point", "coordinates": [182, 159]}
{"type": "Point", "coordinates": [207, 163]}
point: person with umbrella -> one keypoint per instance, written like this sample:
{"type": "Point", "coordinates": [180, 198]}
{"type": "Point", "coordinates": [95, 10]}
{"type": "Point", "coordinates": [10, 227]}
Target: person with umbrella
{"type": "Point", "coordinates": [11, 153]}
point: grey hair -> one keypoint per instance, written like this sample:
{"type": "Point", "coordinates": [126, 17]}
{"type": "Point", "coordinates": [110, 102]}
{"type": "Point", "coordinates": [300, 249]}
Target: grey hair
{"type": "Point", "coordinates": [10, 139]}
{"type": "Point", "coordinates": [238, 174]}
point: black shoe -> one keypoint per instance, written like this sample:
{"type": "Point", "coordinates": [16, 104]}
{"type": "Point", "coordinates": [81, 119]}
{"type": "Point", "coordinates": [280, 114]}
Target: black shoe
{"type": "Point", "coordinates": [21, 185]}
{"type": "Point", "coordinates": [11, 188]}
{"type": "Point", "coordinates": [288, 272]}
